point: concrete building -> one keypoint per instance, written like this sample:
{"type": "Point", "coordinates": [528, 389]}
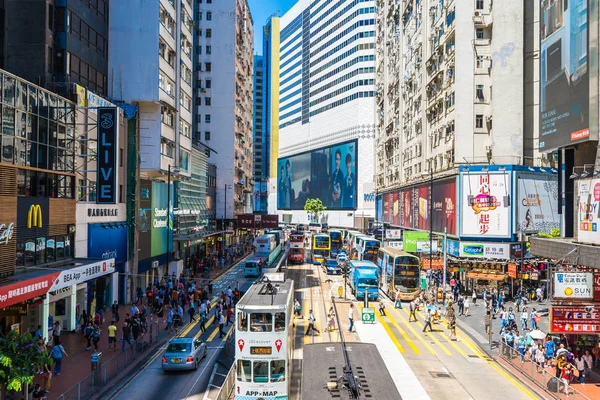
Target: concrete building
{"type": "Point", "coordinates": [446, 70]}
{"type": "Point", "coordinates": [223, 88]}
{"type": "Point", "coordinates": [57, 43]}
{"type": "Point", "coordinates": [326, 112]}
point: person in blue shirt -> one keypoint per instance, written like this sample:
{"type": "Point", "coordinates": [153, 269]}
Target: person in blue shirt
{"type": "Point", "coordinates": [337, 180]}
{"type": "Point", "coordinates": [349, 185]}
{"type": "Point", "coordinates": [550, 348]}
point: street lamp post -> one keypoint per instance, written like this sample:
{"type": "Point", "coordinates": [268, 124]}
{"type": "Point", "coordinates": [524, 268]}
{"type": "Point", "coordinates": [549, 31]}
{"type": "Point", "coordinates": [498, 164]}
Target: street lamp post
{"type": "Point", "coordinates": [176, 170]}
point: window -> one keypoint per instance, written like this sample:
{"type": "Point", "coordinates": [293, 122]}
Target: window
{"type": "Point", "coordinates": [208, 1]}
{"type": "Point", "coordinates": [184, 160]}
{"type": "Point", "coordinates": [278, 370]}
{"type": "Point", "coordinates": [479, 93]}
{"type": "Point", "coordinates": [207, 101]}
{"type": "Point", "coordinates": [208, 84]}
{"type": "Point", "coordinates": [207, 118]}
{"type": "Point", "coordinates": [208, 49]}
{"type": "Point", "coordinates": [208, 32]}
{"type": "Point", "coordinates": [209, 16]}
{"type": "Point", "coordinates": [479, 62]}
{"type": "Point", "coordinates": [279, 322]}
{"type": "Point", "coordinates": [244, 371]}
{"type": "Point", "coordinates": [207, 135]}
{"type": "Point", "coordinates": [261, 371]}
{"type": "Point", "coordinates": [50, 16]}
{"type": "Point", "coordinates": [261, 322]}
{"type": "Point", "coordinates": [199, 15]}
{"type": "Point", "coordinates": [242, 321]}
{"type": "Point", "coordinates": [479, 33]}
{"type": "Point", "coordinates": [479, 4]}
{"type": "Point", "coordinates": [479, 121]}
{"type": "Point", "coordinates": [207, 66]}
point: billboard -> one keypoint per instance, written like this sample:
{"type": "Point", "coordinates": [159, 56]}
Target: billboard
{"type": "Point", "coordinates": [155, 230]}
{"type": "Point", "coordinates": [589, 211]}
{"type": "Point", "coordinates": [574, 320]}
{"type": "Point", "coordinates": [485, 204]}
{"type": "Point", "coordinates": [107, 156]}
{"type": "Point", "coordinates": [328, 173]}
{"type": "Point", "coordinates": [108, 242]}
{"type": "Point", "coordinates": [485, 250]}
{"type": "Point", "coordinates": [251, 221]}
{"type": "Point", "coordinates": [537, 203]}
{"type": "Point", "coordinates": [411, 239]}
{"type": "Point", "coordinates": [573, 285]}
{"type": "Point", "coordinates": [564, 77]}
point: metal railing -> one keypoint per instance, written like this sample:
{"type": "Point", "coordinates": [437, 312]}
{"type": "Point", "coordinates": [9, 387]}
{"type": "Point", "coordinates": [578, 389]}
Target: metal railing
{"type": "Point", "coordinates": [545, 377]}
{"type": "Point", "coordinates": [109, 369]}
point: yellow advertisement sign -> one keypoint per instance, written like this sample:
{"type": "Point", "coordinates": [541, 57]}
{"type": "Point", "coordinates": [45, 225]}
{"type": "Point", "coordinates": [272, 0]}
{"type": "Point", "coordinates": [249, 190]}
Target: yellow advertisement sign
{"type": "Point", "coordinates": [81, 95]}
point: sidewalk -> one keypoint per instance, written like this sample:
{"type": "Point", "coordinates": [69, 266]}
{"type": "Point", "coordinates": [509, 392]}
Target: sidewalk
{"type": "Point", "coordinates": [77, 366]}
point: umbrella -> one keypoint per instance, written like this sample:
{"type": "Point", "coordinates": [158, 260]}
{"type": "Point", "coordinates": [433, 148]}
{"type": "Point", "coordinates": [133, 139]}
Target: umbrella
{"type": "Point", "coordinates": [433, 307]}
{"type": "Point", "coordinates": [537, 334]}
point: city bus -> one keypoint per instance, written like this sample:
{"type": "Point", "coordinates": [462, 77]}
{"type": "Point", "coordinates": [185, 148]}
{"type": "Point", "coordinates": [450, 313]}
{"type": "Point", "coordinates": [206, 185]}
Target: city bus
{"type": "Point", "coordinates": [350, 238]}
{"type": "Point", "coordinates": [296, 254]}
{"type": "Point", "coordinates": [367, 248]}
{"type": "Point", "coordinates": [321, 248]}
{"type": "Point", "coordinates": [337, 241]}
{"type": "Point", "coordinates": [314, 227]}
{"type": "Point", "coordinates": [399, 271]}
{"type": "Point", "coordinates": [264, 339]}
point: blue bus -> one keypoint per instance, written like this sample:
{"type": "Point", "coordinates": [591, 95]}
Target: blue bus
{"type": "Point", "coordinates": [337, 242]}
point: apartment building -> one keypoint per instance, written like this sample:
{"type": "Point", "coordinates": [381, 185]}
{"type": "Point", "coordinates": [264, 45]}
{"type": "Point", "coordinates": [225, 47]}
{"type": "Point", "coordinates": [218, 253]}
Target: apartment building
{"type": "Point", "coordinates": [326, 112]}
{"type": "Point", "coordinates": [223, 90]}
{"type": "Point", "coordinates": [450, 88]}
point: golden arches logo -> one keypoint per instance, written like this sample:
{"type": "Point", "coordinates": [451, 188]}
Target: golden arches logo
{"type": "Point", "coordinates": [34, 216]}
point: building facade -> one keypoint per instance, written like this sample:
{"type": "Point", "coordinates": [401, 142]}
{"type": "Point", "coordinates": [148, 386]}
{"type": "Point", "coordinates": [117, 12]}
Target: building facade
{"type": "Point", "coordinates": [223, 113]}
{"type": "Point", "coordinates": [259, 142]}
{"type": "Point", "coordinates": [153, 70]}
{"type": "Point", "coordinates": [58, 43]}
{"type": "Point", "coordinates": [326, 112]}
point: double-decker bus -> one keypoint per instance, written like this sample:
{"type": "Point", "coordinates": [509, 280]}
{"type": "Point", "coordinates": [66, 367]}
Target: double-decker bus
{"type": "Point", "coordinates": [314, 227]}
{"type": "Point", "coordinates": [296, 253]}
{"type": "Point", "coordinates": [399, 271]}
{"type": "Point", "coordinates": [264, 339]}
{"type": "Point", "coordinates": [367, 248]}
{"type": "Point", "coordinates": [337, 241]}
{"type": "Point", "coordinates": [321, 248]}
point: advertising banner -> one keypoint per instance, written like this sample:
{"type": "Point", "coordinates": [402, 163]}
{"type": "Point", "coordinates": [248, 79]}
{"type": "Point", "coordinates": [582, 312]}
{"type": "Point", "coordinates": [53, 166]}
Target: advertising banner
{"type": "Point", "coordinates": [107, 242]}
{"type": "Point", "coordinates": [411, 238]}
{"type": "Point", "coordinates": [83, 273]}
{"type": "Point", "coordinates": [393, 234]}
{"type": "Point", "coordinates": [485, 204]}
{"type": "Point", "coordinates": [107, 156]}
{"type": "Point", "coordinates": [589, 212]}
{"type": "Point", "coordinates": [453, 247]}
{"type": "Point", "coordinates": [386, 207]}
{"type": "Point", "coordinates": [512, 270]}
{"type": "Point", "coordinates": [154, 232]}
{"type": "Point", "coordinates": [574, 320]}
{"type": "Point", "coordinates": [18, 292]}
{"type": "Point", "coordinates": [251, 221]}
{"type": "Point", "coordinates": [564, 73]}
{"type": "Point", "coordinates": [33, 215]}
{"type": "Point", "coordinates": [537, 207]}
{"type": "Point", "coordinates": [327, 173]}
{"type": "Point", "coordinates": [573, 285]}
{"type": "Point", "coordinates": [485, 250]}
{"type": "Point", "coordinates": [597, 286]}
{"type": "Point", "coordinates": [515, 251]}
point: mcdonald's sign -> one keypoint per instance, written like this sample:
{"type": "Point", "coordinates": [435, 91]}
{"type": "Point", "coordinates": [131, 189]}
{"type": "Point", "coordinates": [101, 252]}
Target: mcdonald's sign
{"type": "Point", "coordinates": [34, 216]}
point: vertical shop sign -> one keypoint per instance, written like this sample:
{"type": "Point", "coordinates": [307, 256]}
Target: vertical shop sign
{"type": "Point", "coordinates": [107, 156]}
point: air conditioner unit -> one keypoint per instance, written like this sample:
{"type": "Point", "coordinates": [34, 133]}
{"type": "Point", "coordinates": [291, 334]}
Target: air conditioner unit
{"type": "Point", "coordinates": [477, 14]}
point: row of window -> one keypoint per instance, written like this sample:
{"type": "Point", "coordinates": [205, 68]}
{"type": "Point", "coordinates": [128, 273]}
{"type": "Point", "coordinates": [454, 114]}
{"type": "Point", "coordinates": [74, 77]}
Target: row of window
{"type": "Point", "coordinates": [290, 122]}
{"type": "Point", "coordinates": [100, 7]}
{"type": "Point", "coordinates": [167, 21]}
{"type": "Point", "coordinates": [336, 28]}
{"type": "Point", "coordinates": [166, 84]}
{"type": "Point", "coordinates": [42, 250]}
{"type": "Point", "coordinates": [291, 113]}
{"type": "Point", "coordinates": [44, 184]}
{"type": "Point", "coordinates": [258, 371]}
{"type": "Point", "coordinates": [358, 71]}
{"type": "Point", "coordinates": [261, 321]}
{"type": "Point", "coordinates": [87, 75]}
{"type": "Point", "coordinates": [288, 70]}
{"type": "Point", "coordinates": [206, 118]}
{"type": "Point", "coordinates": [207, 32]}
{"type": "Point", "coordinates": [208, 16]}
{"type": "Point", "coordinates": [342, 101]}
{"type": "Point", "coordinates": [358, 59]}
{"type": "Point", "coordinates": [87, 35]}
{"type": "Point", "coordinates": [207, 67]}
{"type": "Point", "coordinates": [31, 154]}
{"type": "Point", "coordinates": [336, 49]}
{"type": "Point", "coordinates": [339, 46]}
{"type": "Point", "coordinates": [207, 84]}
{"type": "Point", "coordinates": [360, 82]}
{"type": "Point", "coordinates": [288, 44]}
{"type": "Point", "coordinates": [291, 28]}
{"type": "Point", "coordinates": [208, 49]}
{"type": "Point", "coordinates": [288, 105]}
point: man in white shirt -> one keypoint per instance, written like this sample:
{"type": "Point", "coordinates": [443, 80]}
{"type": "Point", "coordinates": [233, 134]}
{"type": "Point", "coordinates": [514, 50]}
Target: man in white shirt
{"type": "Point", "coordinates": [351, 317]}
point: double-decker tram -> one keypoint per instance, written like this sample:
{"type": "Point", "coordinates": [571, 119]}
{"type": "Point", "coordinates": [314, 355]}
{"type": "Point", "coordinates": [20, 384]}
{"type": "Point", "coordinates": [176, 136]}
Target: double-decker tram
{"type": "Point", "coordinates": [321, 248]}
{"type": "Point", "coordinates": [337, 241]}
{"type": "Point", "coordinates": [399, 271]}
{"type": "Point", "coordinates": [264, 339]}
{"type": "Point", "coordinates": [296, 252]}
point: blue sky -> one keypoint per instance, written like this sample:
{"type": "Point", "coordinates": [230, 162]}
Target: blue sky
{"type": "Point", "coordinates": [261, 10]}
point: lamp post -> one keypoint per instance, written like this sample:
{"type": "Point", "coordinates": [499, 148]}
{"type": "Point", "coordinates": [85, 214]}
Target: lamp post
{"type": "Point", "coordinates": [176, 170]}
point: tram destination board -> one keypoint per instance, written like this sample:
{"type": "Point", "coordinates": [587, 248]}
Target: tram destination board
{"type": "Point", "coordinates": [321, 359]}
{"type": "Point", "coordinates": [268, 350]}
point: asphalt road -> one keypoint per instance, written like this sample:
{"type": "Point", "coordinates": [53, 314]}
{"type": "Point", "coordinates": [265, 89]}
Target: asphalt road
{"type": "Point", "coordinates": [152, 383]}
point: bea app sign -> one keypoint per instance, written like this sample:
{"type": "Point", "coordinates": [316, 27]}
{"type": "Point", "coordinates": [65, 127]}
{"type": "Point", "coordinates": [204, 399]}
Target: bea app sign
{"type": "Point", "coordinates": [574, 285]}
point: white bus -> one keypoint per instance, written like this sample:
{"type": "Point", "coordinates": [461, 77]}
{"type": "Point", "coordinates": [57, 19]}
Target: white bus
{"type": "Point", "coordinates": [264, 339]}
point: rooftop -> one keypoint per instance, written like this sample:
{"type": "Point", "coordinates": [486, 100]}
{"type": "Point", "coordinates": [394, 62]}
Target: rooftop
{"type": "Point", "coordinates": [260, 295]}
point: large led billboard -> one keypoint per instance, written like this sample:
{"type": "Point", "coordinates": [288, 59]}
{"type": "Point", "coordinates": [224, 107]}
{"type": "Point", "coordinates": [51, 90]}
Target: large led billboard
{"type": "Point", "coordinates": [564, 77]}
{"type": "Point", "coordinates": [328, 173]}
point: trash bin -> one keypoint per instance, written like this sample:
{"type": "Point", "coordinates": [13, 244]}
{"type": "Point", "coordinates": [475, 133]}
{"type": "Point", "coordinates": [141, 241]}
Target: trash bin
{"type": "Point", "coordinates": [96, 360]}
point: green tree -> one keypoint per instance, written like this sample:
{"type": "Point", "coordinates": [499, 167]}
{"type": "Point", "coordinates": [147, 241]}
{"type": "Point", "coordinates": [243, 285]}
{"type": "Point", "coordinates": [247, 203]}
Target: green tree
{"type": "Point", "coordinates": [19, 357]}
{"type": "Point", "coordinates": [314, 207]}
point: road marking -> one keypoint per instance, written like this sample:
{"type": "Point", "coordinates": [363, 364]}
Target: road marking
{"type": "Point", "coordinates": [212, 335]}
{"type": "Point", "coordinates": [433, 337]}
{"type": "Point", "coordinates": [389, 332]}
{"type": "Point", "coordinates": [402, 332]}
{"type": "Point", "coordinates": [228, 333]}
{"type": "Point", "coordinates": [414, 331]}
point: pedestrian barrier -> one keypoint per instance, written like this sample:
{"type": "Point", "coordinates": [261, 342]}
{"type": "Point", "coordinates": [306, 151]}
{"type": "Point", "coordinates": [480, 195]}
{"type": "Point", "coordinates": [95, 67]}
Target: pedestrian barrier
{"type": "Point", "coordinates": [544, 378]}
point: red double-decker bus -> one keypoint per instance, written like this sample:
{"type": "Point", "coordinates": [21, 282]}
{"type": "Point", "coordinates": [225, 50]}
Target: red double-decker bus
{"type": "Point", "coordinates": [296, 254]}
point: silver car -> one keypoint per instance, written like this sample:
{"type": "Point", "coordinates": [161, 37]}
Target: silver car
{"type": "Point", "coordinates": [183, 354]}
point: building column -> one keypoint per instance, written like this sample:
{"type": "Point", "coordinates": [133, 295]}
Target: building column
{"type": "Point", "coordinates": [45, 315]}
{"type": "Point", "coordinates": [73, 309]}
{"type": "Point", "coordinates": [114, 288]}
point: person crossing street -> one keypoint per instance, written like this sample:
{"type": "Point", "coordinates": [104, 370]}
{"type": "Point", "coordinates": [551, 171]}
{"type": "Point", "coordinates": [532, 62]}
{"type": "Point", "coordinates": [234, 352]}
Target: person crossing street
{"type": "Point", "coordinates": [311, 324]}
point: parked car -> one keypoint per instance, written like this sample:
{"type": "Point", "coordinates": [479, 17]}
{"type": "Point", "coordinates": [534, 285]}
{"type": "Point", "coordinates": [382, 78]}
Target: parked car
{"type": "Point", "coordinates": [332, 267]}
{"type": "Point", "coordinates": [183, 354]}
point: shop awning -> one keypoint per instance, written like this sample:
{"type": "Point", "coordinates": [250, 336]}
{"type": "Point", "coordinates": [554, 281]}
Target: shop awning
{"type": "Point", "coordinates": [482, 276]}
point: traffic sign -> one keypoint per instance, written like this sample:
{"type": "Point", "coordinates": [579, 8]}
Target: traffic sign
{"type": "Point", "coordinates": [368, 315]}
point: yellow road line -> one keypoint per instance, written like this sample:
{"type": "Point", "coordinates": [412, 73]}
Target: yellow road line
{"type": "Point", "coordinates": [228, 333]}
{"type": "Point", "coordinates": [414, 331]}
{"type": "Point", "coordinates": [389, 332]}
{"type": "Point", "coordinates": [402, 332]}
{"type": "Point", "coordinates": [428, 333]}
{"type": "Point", "coordinates": [190, 326]}
{"type": "Point", "coordinates": [212, 335]}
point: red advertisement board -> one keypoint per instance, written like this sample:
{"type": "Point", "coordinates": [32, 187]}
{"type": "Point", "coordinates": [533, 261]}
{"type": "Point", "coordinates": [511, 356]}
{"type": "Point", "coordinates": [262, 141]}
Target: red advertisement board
{"type": "Point", "coordinates": [597, 286]}
{"type": "Point", "coordinates": [386, 207]}
{"type": "Point", "coordinates": [395, 209]}
{"type": "Point", "coordinates": [18, 292]}
{"type": "Point", "coordinates": [574, 320]}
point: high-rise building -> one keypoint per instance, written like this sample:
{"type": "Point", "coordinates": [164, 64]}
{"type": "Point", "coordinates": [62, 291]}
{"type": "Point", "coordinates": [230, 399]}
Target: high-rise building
{"type": "Point", "coordinates": [56, 43]}
{"type": "Point", "coordinates": [152, 67]}
{"type": "Point", "coordinates": [450, 88]}
{"type": "Point", "coordinates": [326, 112]}
{"type": "Point", "coordinates": [223, 91]}
{"type": "Point", "coordinates": [258, 155]}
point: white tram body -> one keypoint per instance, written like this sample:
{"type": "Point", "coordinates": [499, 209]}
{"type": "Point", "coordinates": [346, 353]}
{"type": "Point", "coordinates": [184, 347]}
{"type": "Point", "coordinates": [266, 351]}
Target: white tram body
{"type": "Point", "coordinates": [264, 340]}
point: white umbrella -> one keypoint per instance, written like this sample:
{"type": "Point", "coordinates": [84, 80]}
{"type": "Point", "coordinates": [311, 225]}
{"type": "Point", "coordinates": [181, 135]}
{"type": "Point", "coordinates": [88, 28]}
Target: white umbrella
{"type": "Point", "coordinates": [537, 334]}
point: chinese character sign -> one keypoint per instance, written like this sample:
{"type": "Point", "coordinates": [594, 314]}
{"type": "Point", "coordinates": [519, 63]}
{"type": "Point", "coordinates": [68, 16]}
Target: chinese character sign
{"type": "Point", "coordinates": [485, 205]}
{"type": "Point", "coordinates": [573, 285]}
